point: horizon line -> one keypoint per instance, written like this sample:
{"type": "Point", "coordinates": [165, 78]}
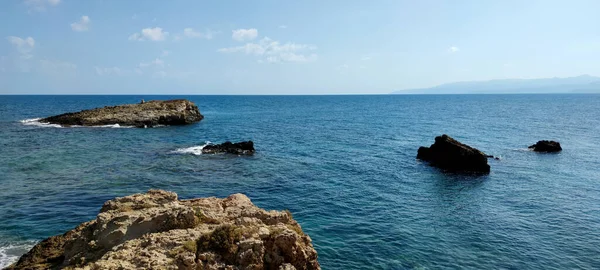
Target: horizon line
{"type": "Point", "coordinates": [388, 94]}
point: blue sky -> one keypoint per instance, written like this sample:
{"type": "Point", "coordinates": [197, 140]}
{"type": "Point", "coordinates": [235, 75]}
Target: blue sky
{"type": "Point", "coordinates": [288, 47]}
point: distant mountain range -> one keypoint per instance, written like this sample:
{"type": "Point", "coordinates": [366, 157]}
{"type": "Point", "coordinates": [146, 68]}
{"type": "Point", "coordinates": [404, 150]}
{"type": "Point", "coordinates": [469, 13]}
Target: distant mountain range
{"type": "Point", "coordinates": [579, 84]}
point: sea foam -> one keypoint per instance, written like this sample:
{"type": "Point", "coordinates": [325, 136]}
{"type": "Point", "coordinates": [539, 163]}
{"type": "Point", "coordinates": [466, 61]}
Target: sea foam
{"type": "Point", "coordinates": [194, 150]}
{"type": "Point", "coordinates": [36, 122]}
{"type": "Point", "coordinates": [11, 253]}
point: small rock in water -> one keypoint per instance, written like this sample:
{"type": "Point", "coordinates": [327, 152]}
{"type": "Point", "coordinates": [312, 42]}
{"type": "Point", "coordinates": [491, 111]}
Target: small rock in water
{"type": "Point", "coordinates": [240, 148]}
{"type": "Point", "coordinates": [491, 156]}
{"type": "Point", "coordinates": [546, 146]}
{"type": "Point", "coordinates": [143, 114]}
{"type": "Point", "coordinates": [451, 155]}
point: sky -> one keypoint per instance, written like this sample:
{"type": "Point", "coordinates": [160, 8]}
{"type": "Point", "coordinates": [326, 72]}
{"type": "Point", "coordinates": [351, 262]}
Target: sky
{"type": "Point", "coordinates": [288, 47]}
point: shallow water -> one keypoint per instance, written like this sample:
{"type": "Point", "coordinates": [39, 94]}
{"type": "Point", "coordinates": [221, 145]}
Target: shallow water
{"type": "Point", "coordinates": [343, 165]}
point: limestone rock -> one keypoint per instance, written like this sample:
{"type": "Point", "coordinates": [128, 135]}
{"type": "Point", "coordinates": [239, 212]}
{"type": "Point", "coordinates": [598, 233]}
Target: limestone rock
{"type": "Point", "coordinates": [155, 230]}
{"type": "Point", "coordinates": [451, 155]}
{"type": "Point", "coordinates": [144, 114]}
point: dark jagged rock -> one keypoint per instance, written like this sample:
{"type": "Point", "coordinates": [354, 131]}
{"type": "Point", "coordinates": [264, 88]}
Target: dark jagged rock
{"type": "Point", "coordinates": [450, 155]}
{"type": "Point", "coordinates": [241, 148]}
{"type": "Point", "coordinates": [546, 146]}
{"type": "Point", "coordinates": [143, 114]}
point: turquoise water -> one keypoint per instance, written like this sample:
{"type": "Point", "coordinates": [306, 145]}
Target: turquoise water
{"type": "Point", "coordinates": [343, 165]}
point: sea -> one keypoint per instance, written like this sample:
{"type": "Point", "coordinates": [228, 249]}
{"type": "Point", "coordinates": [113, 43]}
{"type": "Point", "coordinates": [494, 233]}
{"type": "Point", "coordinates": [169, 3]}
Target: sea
{"type": "Point", "coordinates": [344, 166]}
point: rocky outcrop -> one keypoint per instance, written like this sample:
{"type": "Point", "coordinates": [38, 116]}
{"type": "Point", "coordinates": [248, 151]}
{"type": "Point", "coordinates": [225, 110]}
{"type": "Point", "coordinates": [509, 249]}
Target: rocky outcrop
{"type": "Point", "coordinates": [450, 155]}
{"type": "Point", "coordinates": [241, 148]}
{"type": "Point", "coordinates": [155, 230]}
{"type": "Point", "coordinates": [546, 146]}
{"type": "Point", "coordinates": [144, 114]}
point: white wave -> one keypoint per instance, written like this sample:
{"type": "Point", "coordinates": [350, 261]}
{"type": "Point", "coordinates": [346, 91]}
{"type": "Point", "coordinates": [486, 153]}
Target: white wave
{"type": "Point", "coordinates": [11, 253]}
{"type": "Point", "coordinates": [194, 150]}
{"type": "Point", "coordinates": [36, 122]}
{"type": "Point", "coordinates": [109, 126]}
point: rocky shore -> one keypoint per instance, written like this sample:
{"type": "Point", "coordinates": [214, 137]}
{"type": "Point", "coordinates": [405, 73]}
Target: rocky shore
{"type": "Point", "coordinates": [144, 114]}
{"type": "Point", "coordinates": [155, 230]}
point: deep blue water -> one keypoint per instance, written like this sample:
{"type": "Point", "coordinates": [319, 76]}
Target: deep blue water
{"type": "Point", "coordinates": [343, 165]}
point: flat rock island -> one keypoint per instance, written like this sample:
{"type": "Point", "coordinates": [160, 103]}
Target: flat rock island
{"type": "Point", "coordinates": [143, 114]}
{"type": "Point", "coordinates": [451, 155]}
{"type": "Point", "coordinates": [155, 230]}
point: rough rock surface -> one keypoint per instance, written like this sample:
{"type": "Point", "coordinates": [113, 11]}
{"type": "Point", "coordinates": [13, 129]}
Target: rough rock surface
{"type": "Point", "coordinates": [451, 155]}
{"type": "Point", "coordinates": [546, 146]}
{"type": "Point", "coordinates": [155, 230]}
{"type": "Point", "coordinates": [241, 148]}
{"type": "Point", "coordinates": [146, 114]}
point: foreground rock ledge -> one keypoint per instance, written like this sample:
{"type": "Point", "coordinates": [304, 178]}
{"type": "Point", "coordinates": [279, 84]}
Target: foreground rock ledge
{"type": "Point", "coordinates": [145, 114]}
{"type": "Point", "coordinates": [451, 155]}
{"type": "Point", "coordinates": [157, 231]}
{"type": "Point", "coordinates": [546, 146]}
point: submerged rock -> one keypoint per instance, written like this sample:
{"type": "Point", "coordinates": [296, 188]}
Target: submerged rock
{"type": "Point", "coordinates": [155, 230]}
{"type": "Point", "coordinates": [451, 155]}
{"type": "Point", "coordinates": [546, 146]}
{"type": "Point", "coordinates": [241, 148]}
{"type": "Point", "coordinates": [143, 114]}
{"type": "Point", "coordinates": [491, 156]}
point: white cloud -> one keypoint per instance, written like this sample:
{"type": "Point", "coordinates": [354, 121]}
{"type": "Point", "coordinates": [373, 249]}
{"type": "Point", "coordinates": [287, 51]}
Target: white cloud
{"type": "Point", "coordinates": [165, 53]}
{"type": "Point", "coordinates": [57, 64]}
{"type": "Point", "coordinates": [160, 74]}
{"type": "Point", "coordinates": [191, 33]}
{"type": "Point", "coordinates": [292, 57]}
{"type": "Point", "coordinates": [135, 36]}
{"type": "Point", "coordinates": [366, 58]}
{"type": "Point", "coordinates": [156, 63]}
{"type": "Point", "coordinates": [153, 66]}
{"type": "Point", "coordinates": [82, 24]}
{"type": "Point", "coordinates": [344, 66]}
{"type": "Point", "coordinates": [107, 71]}
{"type": "Point", "coordinates": [116, 71]}
{"type": "Point", "coordinates": [40, 5]}
{"type": "Point", "coordinates": [244, 34]}
{"type": "Point", "coordinates": [56, 68]}
{"type": "Point", "coordinates": [23, 45]}
{"type": "Point", "coordinates": [273, 51]}
{"type": "Point", "coordinates": [453, 49]}
{"type": "Point", "coordinates": [349, 69]}
{"type": "Point", "coordinates": [283, 26]}
{"type": "Point", "coordinates": [153, 34]}
{"type": "Point", "coordinates": [4, 64]}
